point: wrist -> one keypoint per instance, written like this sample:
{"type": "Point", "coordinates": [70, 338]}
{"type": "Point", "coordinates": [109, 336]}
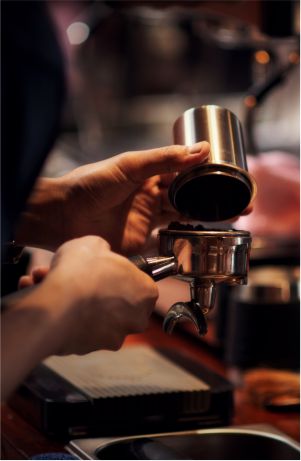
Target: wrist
{"type": "Point", "coordinates": [42, 313]}
{"type": "Point", "coordinates": [32, 328]}
{"type": "Point", "coordinates": [42, 224]}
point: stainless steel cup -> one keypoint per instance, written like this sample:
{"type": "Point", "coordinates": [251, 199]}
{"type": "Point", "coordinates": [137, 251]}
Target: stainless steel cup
{"type": "Point", "coordinates": [221, 188]}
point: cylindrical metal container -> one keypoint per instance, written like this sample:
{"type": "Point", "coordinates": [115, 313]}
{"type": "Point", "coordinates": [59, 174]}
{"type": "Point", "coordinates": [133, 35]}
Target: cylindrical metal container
{"type": "Point", "coordinates": [221, 188]}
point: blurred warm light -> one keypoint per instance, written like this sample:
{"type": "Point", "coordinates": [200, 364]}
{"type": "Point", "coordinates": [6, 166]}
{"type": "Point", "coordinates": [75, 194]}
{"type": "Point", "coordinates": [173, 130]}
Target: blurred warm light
{"type": "Point", "coordinates": [262, 57]}
{"type": "Point", "coordinates": [78, 32]}
{"type": "Point", "coordinates": [250, 101]}
{"type": "Point", "coordinates": [294, 57]}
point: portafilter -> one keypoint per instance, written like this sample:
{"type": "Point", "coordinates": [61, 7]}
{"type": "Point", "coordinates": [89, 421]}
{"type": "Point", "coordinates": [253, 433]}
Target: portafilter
{"type": "Point", "coordinates": [217, 190]}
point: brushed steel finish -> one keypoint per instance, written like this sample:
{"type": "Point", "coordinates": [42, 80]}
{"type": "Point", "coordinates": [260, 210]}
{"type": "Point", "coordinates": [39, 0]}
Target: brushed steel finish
{"type": "Point", "coordinates": [221, 188]}
{"type": "Point", "coordinates": [217, 125]}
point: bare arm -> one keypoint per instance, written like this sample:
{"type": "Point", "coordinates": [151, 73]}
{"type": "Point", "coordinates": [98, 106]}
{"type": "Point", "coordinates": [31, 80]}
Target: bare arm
{"type": "Point", "coordinates": [90, 299]}
{"type": "Point", "coordinates": [42, 223]}
{"type": "Point", "coordinates": [30, 330]}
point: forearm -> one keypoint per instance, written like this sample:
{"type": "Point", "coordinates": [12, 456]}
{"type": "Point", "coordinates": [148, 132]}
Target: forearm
{"type": "Point", "coordinates": [30, 331]}
{"type": "Point", "coordinates": [42, 224]}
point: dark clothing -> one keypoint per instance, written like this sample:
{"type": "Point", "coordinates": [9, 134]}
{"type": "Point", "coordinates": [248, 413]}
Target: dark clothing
{"type": "Point", "coordinates": [32, 90]}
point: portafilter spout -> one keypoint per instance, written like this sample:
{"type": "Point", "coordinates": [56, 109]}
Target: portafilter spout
{"type": "Point", "coordinates": [202, 301]}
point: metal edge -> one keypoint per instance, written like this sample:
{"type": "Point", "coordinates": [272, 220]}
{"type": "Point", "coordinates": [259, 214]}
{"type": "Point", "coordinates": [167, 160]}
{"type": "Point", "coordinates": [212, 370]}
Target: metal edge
{"type": "Point", "coordinates": [206, 233]}
{"type": "Point", "coordinates": [206, 168]}
{"type": "Point", "coordinates": [76, 447]}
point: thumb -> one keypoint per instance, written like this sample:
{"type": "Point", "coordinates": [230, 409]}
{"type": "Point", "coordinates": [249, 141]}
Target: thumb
{"type": "Point", "coordinates": [138, 166]}
{"type": "Point", "coordinates": [39, 273]}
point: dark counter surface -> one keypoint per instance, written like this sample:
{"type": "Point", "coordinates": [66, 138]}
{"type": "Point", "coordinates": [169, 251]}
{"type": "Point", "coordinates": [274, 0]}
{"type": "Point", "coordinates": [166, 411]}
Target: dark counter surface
{"type": "Point", "coordinates": [21, 441]}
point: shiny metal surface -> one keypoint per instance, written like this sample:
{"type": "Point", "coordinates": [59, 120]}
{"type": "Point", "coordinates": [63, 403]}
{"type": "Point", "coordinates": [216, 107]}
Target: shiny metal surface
{"type": "Point", "coordinates": [162, 266]}
{"type": "Point", "coordinates": [185, 311]}
{"type": "Point", "coordinates": [220, 127]}
{"type": "Point", "coordinates": [202, 258]}
{"type": "Point", "coordinates": [205, 258]}
{"type": "Point", "coordinates": [217, 256]}
{"type": "Point", "coordinates": [221, 188]}
{"type": "Point", "coordinates": [260, 441]}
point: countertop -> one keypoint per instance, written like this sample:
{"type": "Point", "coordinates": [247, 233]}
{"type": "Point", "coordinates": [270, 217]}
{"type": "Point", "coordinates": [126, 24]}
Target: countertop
{"type": "Point", "coordinates": [21, 441]}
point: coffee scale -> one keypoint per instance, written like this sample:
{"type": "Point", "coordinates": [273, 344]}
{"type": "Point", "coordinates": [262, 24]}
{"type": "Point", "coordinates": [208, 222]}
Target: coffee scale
{"type": "Point", "coordinates": [139, 389]}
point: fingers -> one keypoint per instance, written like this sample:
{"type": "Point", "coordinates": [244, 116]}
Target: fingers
{"type": "Point", "coordinates": [166, 206]}
{"type": "Point", "coordinates": [37, 275]}
{"type": "Point", "coordinates": [167, 179]}
{"type": "Point", "coordinates": [25, 281]}
{"type": "Point", "coordinates": [138, 166]}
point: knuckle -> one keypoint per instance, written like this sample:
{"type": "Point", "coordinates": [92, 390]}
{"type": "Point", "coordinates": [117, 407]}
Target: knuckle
{"type": "Point", "coordinates": [97, 241]}
{"type": "Point", "coordinates": [144, 324]}
{"type": "Point", "coordinates": [174, 155]}
{"type": "Point", "coordinates": [172, 152]}
{"type": "Point", "coordinates": [153, 291]}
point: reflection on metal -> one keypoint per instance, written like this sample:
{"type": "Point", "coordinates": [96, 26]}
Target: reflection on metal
{"type": "Point", "coordinates": [220, 256]}
{"type": "Point", "coordinates": [185, 311]}
{"type": "Point", "coordinates": [220, 127]}
{"type": "Point", "coordinates": [205, 259]}
{"type": "Point", "coordinates": [221, 188]}
{"type": "Point", "coordinates": [218, 443]}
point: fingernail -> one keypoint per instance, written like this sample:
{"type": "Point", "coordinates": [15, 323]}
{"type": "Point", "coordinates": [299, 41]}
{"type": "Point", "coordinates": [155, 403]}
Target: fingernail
{"type": "Point", "coordinates": [197, 148]}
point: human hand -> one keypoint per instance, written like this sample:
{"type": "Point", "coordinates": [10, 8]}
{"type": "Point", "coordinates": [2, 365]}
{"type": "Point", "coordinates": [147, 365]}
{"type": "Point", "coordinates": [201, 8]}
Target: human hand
{"type": "Point", "coordinates": [90, 298]}
{"type": "Point", "coordinates": [104, 297]}
{"type": "Point", "coordinates": [36, 276]}
{"type": "Point", "coordinates": [120, 199]}
{"type": "Point", "coordinates": [125, 197]}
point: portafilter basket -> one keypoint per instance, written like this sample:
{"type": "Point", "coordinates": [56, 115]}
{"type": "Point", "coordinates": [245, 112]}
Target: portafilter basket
{"type": "Point", "coordinates": [204, 259]}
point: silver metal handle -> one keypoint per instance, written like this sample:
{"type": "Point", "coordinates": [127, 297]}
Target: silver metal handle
{"type": "Point", "coordinates": [157, 267]}
{"type": "Point", "coordinates": [185, 311]}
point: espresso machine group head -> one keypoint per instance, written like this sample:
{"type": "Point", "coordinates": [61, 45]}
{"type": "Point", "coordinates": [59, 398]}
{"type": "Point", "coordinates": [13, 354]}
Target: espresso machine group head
{"type": "Point", "coordinates": [215, 191]}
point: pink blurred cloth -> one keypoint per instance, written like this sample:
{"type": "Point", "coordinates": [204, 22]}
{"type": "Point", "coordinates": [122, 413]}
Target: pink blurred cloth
{"type": "Point", "coordinates": [276, 209]}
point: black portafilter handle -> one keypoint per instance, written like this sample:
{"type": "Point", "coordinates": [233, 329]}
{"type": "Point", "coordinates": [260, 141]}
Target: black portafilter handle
{"type": "Point", "coordinates": [157, 267]}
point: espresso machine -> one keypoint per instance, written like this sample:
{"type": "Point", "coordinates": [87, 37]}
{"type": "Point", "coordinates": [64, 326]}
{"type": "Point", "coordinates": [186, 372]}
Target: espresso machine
{"type": "Point", "coordinates": [213, 192]}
